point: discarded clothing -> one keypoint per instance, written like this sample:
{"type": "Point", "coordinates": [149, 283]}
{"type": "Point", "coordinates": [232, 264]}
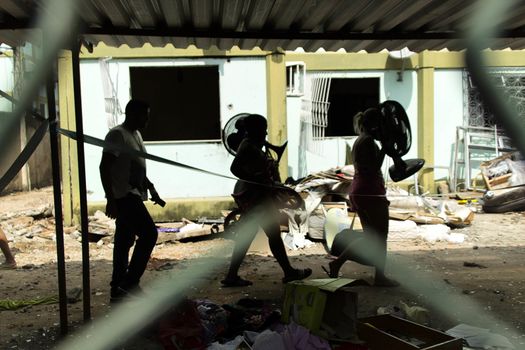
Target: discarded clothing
{"type": "Point", "coordinates": [7, 304]}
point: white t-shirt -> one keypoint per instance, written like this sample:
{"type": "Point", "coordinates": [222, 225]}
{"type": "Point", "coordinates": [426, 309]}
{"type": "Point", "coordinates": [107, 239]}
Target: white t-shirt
{"type": "Point", "coordinates": [128, 171]}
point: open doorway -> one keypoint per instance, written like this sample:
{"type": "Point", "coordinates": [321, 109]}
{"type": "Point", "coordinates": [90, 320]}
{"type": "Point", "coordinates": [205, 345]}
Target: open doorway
{"type": "Point", "coordinates": [348, 96]}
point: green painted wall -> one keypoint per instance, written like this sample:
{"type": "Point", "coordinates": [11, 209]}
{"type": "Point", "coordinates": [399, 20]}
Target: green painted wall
{"type": "Point", "coordinates": [176, 209]}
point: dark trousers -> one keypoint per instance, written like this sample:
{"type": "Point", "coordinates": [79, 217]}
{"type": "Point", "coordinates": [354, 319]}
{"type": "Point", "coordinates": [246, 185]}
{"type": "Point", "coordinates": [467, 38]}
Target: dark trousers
{"type": "Point", "coordinates": [133, 220]}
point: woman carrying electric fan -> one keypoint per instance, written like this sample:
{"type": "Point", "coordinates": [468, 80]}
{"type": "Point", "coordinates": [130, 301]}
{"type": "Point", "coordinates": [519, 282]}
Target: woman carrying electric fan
{"type": "Point", "coordinates": [254, 194]}
{"type": "Point", "coordinates": [369, 200]}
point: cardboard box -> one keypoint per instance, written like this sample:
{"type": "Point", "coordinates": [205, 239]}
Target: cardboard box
{"type": "Point", "coordinates": [394, 333]}
{"type": "Point", "coordinates": [327, 307]}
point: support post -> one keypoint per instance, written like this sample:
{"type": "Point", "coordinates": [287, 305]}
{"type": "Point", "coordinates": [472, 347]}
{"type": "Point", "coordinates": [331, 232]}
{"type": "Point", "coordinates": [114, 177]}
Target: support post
{"type": "Point", "coordinates": [86, 288]}
{"type": "Point", "coordinates": [276, 105]}
{"type": "Point", "coordinates": [68, 147]}
{"type": "Point", "coordinates": [57, 196]}
{"type": "Point", "coordinates": [425, 127]}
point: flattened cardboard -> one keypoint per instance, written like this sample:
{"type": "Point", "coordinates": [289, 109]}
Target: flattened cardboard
{"type": "Point", "coordinates": [393, 333]}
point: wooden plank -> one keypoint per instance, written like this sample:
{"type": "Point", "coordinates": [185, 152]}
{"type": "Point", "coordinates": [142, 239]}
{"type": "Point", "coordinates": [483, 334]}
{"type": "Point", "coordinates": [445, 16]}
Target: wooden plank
{"type": "Point", "coordinates": [177, 236]}
{"type": "Point", "coordinates": [500, 181]}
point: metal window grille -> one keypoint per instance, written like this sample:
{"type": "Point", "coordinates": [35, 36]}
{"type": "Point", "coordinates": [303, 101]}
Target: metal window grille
{"type": "Point", "coordinates": [295, 73]}
{"type": "Point", "coordinates": [111, 102]}
{"type": "Point", "coordinates": [511, 81]}
{"type": "Point", "coordinates": [314, 112]}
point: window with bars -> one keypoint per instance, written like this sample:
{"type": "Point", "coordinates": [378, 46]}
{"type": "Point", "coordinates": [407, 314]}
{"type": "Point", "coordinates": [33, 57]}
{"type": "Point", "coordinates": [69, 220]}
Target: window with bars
{"type": "Point", "coordinates": [510, 81]}
{"type": "Point", "coordinates": [295, 72]}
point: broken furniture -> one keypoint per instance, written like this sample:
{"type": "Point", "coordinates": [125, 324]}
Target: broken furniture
{"type": "Point", "coordinates": [475, 144]}
{"type": "Point", "coordinates": [504, 177]}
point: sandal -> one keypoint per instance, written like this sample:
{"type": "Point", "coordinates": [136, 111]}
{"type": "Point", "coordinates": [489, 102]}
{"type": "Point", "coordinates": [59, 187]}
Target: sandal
{"type": "Point", "coordinates": [299, 274]}
{"type": "Point", "coordinates": [236, 282]}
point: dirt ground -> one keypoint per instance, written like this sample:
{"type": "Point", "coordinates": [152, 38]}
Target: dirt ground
{"type": "Point", "coordinates": [491, 288]}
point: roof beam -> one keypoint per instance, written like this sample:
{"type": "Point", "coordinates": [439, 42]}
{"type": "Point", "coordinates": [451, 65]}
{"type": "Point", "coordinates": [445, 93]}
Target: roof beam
{"type": "Point", "coordinates": [14, 8]}
{"type": "Point", "coordinates": [290, 35]}
{"type": "Point", "coordinates": [272, 34]}
{"type": "Point", "coordinates": [9, 23]}
{"type": "Point", "coordinates": [267, 34]}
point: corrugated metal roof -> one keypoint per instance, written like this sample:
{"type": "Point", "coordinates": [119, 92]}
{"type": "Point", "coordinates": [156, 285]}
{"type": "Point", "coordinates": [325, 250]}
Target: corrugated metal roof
{"type": "Point", "coordinates": [352, 25]}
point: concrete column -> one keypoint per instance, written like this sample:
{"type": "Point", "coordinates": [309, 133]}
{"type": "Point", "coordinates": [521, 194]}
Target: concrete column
{"type": "Point", "coordinates": [68, 147]}
{"type": "Point", "coordinates": [276, 105]}
{"type": "Point", "coordinates": [425, 132]}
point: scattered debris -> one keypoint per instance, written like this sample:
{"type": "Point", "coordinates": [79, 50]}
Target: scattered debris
{"type": "Point", "coordinates": [73, 295]}
{"type": "Point", "coordinates": [391, 332]}
{"type": "Point", "coordinates": [414, 313]}
{"type": "Point", "coordinates": [480, 338]}
{"type": "Point", "coordinates": [175, 231]}
{"type": "Point", "coordinates": [41, 212]}
{"type": "Point", "coordinates": [427, 218]}
{"type": "Point", "coordinates": [504, 178]}
{"type": "Point", "coordinates": [473, 264]}
{"type": "Point", "coordinates": [332, 185]}
{"type": "Point", "coordinates": [205, 220]}
{"type": "Point", "coordinates": [8, 304]}
{"type": "Point", "coordinates": [426, 210]}
{"type": "Point", "coordinates": [504, 171]}
{"type": "Point", "coordinates": [99, 223]}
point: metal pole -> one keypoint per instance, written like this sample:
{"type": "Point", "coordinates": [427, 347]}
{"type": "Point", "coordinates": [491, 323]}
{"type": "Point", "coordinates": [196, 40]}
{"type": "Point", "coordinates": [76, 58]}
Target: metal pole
{"type": "Point", "coordinates": [82, 183]}
{"type": "Point", "coordinates": [57, 196]}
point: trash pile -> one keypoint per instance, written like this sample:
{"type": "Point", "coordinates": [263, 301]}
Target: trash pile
{"type": "Point", "coordinates": [175, 231]}
{"type": "Point", "coordinates": [326, 196]}
{"type": "Point", "coordinates": [316, 314]}
{"type": "Point", "coordinates": [430, 219]}
{"type": "Point", "coordinates": [31, 223]}
{"type": "Point", "coordinates": [504, 179]}
{"type": "Point", "coordinates": [318, 190]}
{"type": "Point", "coordinates": [202, 324]}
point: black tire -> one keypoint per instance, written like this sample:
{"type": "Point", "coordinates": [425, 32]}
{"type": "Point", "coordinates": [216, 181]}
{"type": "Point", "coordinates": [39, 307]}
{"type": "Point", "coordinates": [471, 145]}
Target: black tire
{"type": "Point", "coordinates": [230, 223]}
{"type": "Point", "coordinates": [288, 198]}
{"type": "Point", "coordinates": [513, 200]}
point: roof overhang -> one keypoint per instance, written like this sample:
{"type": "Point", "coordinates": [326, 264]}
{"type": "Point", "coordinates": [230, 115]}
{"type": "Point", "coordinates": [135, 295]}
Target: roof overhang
{"type": "Point", "coordinates": [331, 24]}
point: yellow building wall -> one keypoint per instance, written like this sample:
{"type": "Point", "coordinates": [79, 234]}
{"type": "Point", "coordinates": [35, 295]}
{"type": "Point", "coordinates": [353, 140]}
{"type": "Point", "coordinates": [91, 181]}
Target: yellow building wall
{"type": "Point", "coordinates": [424, 63]}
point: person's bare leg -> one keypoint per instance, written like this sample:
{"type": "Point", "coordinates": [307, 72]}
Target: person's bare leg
{"type": "Point", "coordinates": [247, 229]}
{"type": "Point", "coordinates": [240, 248]}
{"type": "Point", "coordinates": [273, 232]}
{"type": "Point", "coordinates": [4, 246]}
{"type": "Point", "coordinates": [359, 250]}
{"type": "Point", "coordinates": [279, 251]}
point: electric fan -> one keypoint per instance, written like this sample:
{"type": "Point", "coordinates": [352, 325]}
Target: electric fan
{"type": "Point", "coordinates": [396, 140]}
{"type": "Point", "coordinates": [233, 133]}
